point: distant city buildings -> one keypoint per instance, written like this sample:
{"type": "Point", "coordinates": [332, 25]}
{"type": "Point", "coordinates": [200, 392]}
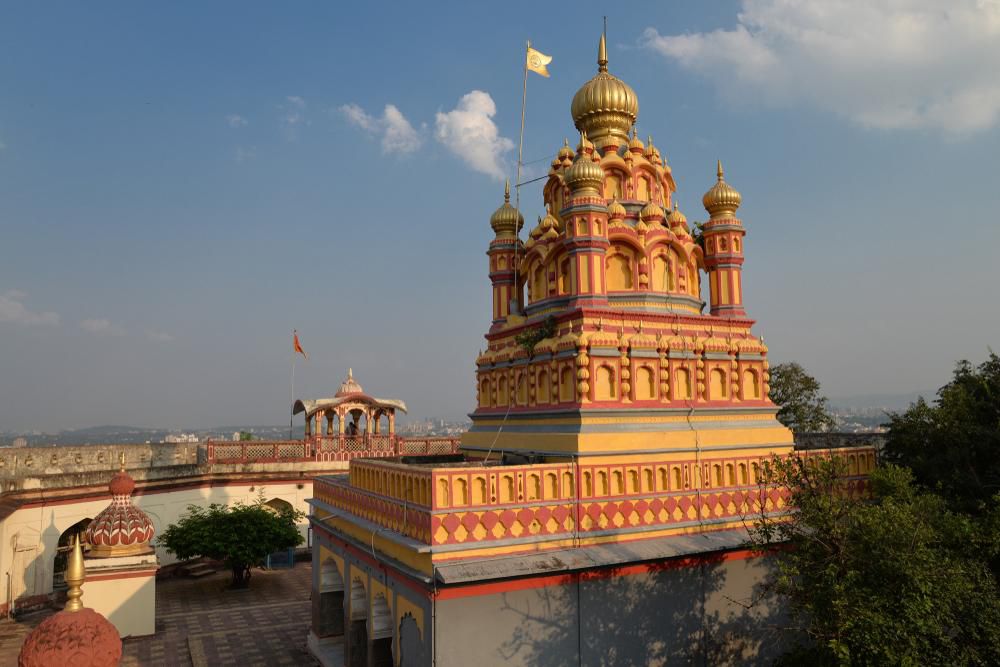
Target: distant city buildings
{"type": "Point", "coordinates": [182, 437]}
{"type": "Point", "coordinates": [20, 442]}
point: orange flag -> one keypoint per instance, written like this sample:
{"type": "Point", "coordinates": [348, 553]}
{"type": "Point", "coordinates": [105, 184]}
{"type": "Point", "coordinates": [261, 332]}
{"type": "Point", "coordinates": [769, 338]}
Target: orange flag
{"type": "Point", "coordinates": [297, 345]}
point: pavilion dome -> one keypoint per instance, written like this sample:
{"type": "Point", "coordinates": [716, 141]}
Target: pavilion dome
{"type": "Point", "coordinates": [605, 107]}
{"type": "Point", "coordinates": [349, 385]}
{"type": "Point", "coordinates": [121, 529]}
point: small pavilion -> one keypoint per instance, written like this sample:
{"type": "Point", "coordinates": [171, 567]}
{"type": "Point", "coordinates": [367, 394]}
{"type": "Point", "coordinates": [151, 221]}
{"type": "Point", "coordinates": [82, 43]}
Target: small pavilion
{"type": "Point", "coordinates": [350, 412]}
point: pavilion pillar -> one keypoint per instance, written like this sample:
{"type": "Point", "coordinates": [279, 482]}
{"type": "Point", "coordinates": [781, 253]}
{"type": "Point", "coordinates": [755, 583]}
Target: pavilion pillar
{"type": "Point", "coordinates": [392, 421]}
{"type": "Point", "coordinates": [308, 425]}
{"type": "Point", "coordinates": [329, 423]}
{"type": "Point", "coordinates": [378, 418]}
{"type": "Point", "coordinates": [343, 426]}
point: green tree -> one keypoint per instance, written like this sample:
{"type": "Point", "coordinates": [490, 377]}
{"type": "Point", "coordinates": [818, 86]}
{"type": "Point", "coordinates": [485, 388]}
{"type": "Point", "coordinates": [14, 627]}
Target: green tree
{"type": "Point", "coordinates": [954, 445]}
{"type": "Point", "coordinates": [796, 393]}
{"type": "Point", "coordinates": [240, 535]}
{"type": "Point", "coordinates": [245, 436]}
{"type": "Point", "coordinates": [898, 579]}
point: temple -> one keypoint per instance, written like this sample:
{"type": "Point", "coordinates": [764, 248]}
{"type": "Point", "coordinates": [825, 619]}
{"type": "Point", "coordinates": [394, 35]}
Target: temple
{"type": "Point", "coordinates": [597, 510]}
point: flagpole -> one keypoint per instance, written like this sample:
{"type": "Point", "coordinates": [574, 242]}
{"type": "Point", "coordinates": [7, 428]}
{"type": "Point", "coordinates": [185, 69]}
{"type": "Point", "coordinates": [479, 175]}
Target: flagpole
{"type": "Point", "coordinates": [517, 177]}
{"type": "Point", "coordinates": [291, 403]}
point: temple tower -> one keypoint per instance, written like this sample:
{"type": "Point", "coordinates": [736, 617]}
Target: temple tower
{"type": "Point", "coordinates": [506, 222]}
{"type": "Point", "coordinates": [723, 235]}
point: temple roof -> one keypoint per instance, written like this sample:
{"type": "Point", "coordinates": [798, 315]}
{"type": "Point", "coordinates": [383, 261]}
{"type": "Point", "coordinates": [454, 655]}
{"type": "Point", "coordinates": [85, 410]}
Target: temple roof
{"type": "Point", "coordinates": [350, 392]}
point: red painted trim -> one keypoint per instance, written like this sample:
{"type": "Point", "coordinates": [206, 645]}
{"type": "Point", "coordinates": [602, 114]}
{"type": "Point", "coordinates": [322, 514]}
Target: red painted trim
{"type": "Point", "coordinates": [130, 574]}
{"type": "Point", "coordinates": [527, 583]}
{"type": "Point", "coordinates": [105, 495]}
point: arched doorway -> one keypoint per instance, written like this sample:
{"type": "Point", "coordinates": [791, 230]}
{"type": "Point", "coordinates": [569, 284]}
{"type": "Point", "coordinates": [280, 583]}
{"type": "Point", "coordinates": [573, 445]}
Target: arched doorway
{"type": "Point", "coordinates": [279, 506]}
{"type": "Point", "coordinates": [411, 645]}
{"type": "Point", "coordinates": [330, 615]}
{"type": "Point", "coordinates": [63, 548]}
{"type": "Point", "coordinates": [357, 637]}
{"type": "Point", "coordinates": [356, 422]}
{"type": "Point", "coordinates": [381, 633]}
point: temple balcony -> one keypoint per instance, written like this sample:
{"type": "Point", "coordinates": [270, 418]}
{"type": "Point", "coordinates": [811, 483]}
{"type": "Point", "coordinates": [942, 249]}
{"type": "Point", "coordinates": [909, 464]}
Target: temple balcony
{"type": "Point", "coordinates": [451, 507]}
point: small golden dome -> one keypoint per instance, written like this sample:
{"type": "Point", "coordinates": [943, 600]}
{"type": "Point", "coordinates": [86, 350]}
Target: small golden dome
{"type": "Point", "coordinates": [506, 221]}
{"type": "Point", "coordinates": [549, 221]}
{"type": "Point", "coordinates": [616, 211]}
{"type": "Point", "coordinates": [585, 174]}
{"type": "Point", "coordinates": [723, 199]}
{"type": "Point", "coordinates": [565, 152]}
{"type": "Point", "coordinates": [676, 217]}
{"type": "Point", "coordinates": [651, 211]}
{"type": "Point", "coordinates": [635, 144]}
{"type": "Point", "coordinates": [538, 230]}
{"type": "Point", "coordinates": [605, 107]}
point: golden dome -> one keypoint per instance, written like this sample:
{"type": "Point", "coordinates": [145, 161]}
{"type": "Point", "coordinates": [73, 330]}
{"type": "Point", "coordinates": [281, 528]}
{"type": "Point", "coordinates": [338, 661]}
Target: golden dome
{"type": "Point", "coordinates": [549, 221]}
{"type": "Point", "coordinates": [506, 221]}
{"type": "Point", "coordinates": [676, 217]}
{"type": "Point", "coordinates": [605, 107]}
{"type": "Point", "coordinates": [635, 144]}
{"type": "Point", "coordinates": [651, 211]}
{"type": "Point", "coordinates": [565, 152]}
{"type": "Point", "coordinates": [616, 211]}
{"type": "Point", "coordinates": [723, 199]}
{"type": "Point", "coordinates": [585, 174]}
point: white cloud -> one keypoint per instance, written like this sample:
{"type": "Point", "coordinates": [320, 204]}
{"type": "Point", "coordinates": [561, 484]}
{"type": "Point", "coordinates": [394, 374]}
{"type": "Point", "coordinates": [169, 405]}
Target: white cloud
{"type": "Point", "coordinates": [102, 327]}
{"type": "Point", "coordinates": [293, 116]}
{"type": "Point", "coordinates": [236, 121]}
{"type": "Point", "coordinates": [397, 133]}
{"type": "Point", "coordinates": [894, 64]}
{"type": "Point", "coordinates": [469, 132]}
{"type": "Point", "coordinates": [12, 309]}
{"type": "Point", "coordinates": [158, 336]}
{"type": "Point", "coordinates": [245, 153]}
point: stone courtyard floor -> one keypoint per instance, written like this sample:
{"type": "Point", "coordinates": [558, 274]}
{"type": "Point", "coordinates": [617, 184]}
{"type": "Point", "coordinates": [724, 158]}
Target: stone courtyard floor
{"type": "Point", "coordinates": [200, 623]}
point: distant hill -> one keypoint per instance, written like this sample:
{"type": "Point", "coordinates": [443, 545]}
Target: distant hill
{"type": "Point", "coordinates": [888, 402]}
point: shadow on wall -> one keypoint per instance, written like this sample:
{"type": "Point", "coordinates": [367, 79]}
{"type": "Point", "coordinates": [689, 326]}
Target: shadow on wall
{"type": "Point", "coordinates": [709, 613]}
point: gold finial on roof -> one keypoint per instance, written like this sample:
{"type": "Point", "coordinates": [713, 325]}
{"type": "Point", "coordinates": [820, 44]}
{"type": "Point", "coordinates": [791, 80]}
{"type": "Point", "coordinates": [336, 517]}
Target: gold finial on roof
{"type": "Point", "coordinates": [121, 461]}
{"type": "Point", "coordinates": [605, 106]}
{"type": "Point", "coordinates": [722, 200]}
{"type": "Point", "coordinates": [506, 190]}
{"type": "Point", "coordinates": [74, 577]}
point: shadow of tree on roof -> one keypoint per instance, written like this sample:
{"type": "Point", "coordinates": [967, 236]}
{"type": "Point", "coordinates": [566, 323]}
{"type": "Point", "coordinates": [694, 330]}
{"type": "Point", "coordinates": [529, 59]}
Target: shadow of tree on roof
{"type": "Point", "coordinates": [710, 612]}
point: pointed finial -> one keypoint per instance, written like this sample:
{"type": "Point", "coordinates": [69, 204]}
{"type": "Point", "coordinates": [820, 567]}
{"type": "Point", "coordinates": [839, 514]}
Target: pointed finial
{"type": "Point", "coordinates": [602, 55]}
{"type": "Point", "coordinates": [350, 373]}
{"type": "Point", "coordinates": [74, 577]}
{"type": "Point", "coordinates": [649, 140]}
{"type": "Point", "coordinates": [565, 142]}
{"type": "Point", "coordinates": [719, 171]}
{"type": "Point", "coordinates": [506, 191]}
{"type": "Point", "coordinates": [121, 461]}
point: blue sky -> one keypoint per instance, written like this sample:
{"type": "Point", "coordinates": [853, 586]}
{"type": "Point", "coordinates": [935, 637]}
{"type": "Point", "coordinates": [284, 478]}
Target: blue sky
{"type": "Point", "coordinates": [182, 184]}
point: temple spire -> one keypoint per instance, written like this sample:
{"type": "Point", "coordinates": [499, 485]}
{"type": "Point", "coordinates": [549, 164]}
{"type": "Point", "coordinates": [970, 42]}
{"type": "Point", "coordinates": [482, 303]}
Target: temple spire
{"type": "Point", "coordinates": [719, 171]}
{"type": "Point", "coordinates": [74, 577]}
{"type": "Point", "coordinates": [506, 191]}
{"type": "Point", "coordinates": [602, 55]}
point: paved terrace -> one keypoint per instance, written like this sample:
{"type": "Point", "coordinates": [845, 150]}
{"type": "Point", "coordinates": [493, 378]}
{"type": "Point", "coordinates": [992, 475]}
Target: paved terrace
{"type": "Point", "coordinates": [200, 623]}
